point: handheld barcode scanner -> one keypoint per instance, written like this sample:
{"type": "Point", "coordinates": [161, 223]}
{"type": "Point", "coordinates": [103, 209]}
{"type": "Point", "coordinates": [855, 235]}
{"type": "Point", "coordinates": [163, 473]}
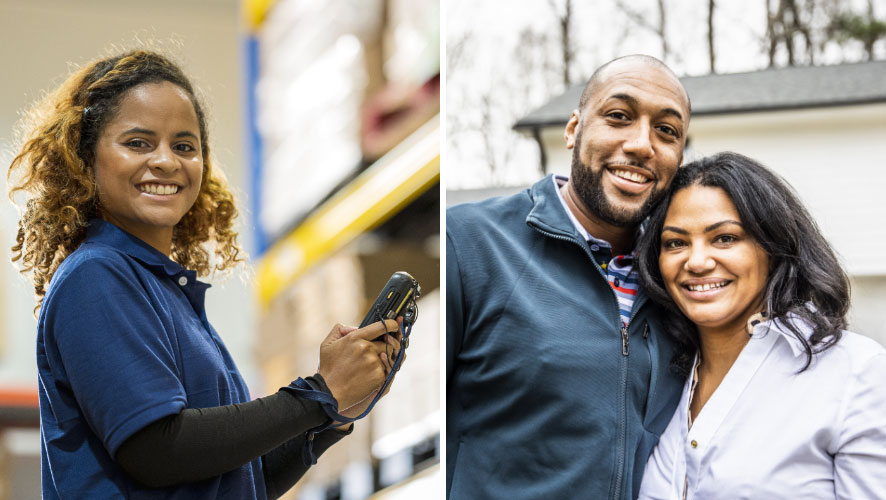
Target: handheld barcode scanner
{"type": "Point", "coordinates": [397, 298]}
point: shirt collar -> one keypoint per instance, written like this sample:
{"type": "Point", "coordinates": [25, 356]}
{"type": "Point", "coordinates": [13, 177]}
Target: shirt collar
{"type": "Point", "coordinates": [101, 231]}
{"type": "Point", "coordinates": [559, 180]}
{"type": "Point", "coordinates": [780, 327]}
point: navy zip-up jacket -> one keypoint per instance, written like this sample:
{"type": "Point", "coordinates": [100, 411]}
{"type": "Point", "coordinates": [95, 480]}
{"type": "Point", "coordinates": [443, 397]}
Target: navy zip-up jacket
{"type": "Point", "coordinates": [545, 398]}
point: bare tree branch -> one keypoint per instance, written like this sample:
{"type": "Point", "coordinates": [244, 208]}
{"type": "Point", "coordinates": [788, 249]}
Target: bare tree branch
{"type": "Point", "coordinates": [770, 33]}
{"type": "Point", "coordinates": [455, 50]}
{"type": "Point", "coordinates": [797, 26]}
{"type": "Point", "coordinates": [567, 53]}
{"type": "Point", "coordinates": [662, 32]}
{"type": "Point", "coordinates": [641, 20]}
{"type": "Point", "coordinates": [712, 57]}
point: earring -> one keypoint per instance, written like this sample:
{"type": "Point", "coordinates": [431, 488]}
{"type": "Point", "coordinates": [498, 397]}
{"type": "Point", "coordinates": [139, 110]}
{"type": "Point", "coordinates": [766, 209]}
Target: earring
{"type": "Point", "coordinates": [756, 320]}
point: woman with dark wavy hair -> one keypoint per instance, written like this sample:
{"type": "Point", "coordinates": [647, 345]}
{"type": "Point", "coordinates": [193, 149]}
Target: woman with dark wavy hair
{"type": "Point", "coordinates": [139, 398]}
{"type": "Point", "coordinates": [780, 401]}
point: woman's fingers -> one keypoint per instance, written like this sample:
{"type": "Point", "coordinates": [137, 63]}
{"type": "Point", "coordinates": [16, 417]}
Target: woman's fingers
{"type": "Point", "coordinates": [386, 361]}
{"type": "Point", "coordinates": [338, 331]}
{"type": "Point", "coordinates": [375, 330]}
{"type": "Point", "coordinates": [388, 343]}
{"type": "Point", "coordinates": [393, 378]}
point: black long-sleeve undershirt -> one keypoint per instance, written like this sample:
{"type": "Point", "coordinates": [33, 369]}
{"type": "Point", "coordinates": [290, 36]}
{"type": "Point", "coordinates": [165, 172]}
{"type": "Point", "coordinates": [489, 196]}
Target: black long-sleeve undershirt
{"type": "Point", "coordinates": [199, 443]}
{"type": "Point", "coordinates": [283, 466]}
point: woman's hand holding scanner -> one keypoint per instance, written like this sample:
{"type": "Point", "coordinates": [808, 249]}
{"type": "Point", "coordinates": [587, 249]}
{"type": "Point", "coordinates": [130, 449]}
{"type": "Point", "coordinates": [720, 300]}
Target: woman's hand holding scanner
{"type": "Point", "coordinates": [360, 407]}
{"type": "Point", "coordinates": [353, 364]}
{"type": "Point", "coordinates": [388, 355]}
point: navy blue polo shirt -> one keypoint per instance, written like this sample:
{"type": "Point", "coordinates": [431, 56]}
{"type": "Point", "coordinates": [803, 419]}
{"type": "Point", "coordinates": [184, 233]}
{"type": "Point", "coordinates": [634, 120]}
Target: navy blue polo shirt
{"type": "Point", "coordinates": [123, 340]}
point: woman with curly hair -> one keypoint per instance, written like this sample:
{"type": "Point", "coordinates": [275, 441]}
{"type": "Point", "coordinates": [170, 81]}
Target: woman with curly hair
{"type": "Point", "coordinates": [139, 398]}
{"type": "Point", "coordinates": [780, 402]}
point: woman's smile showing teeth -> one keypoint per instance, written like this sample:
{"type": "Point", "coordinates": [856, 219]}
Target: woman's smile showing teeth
{"type": "Point", "coordinates": [162, 189]}
{"type": "Point", "coordinates": [704, 287]}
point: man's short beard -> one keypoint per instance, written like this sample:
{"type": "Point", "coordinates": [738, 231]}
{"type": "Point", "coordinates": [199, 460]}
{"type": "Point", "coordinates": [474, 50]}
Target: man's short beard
{"type": "Point", "coordinates": [588, 186]}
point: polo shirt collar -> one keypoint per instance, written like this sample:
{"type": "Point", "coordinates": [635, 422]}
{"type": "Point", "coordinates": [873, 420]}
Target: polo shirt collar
{"type": "Point", "coordinates": [101, 231]}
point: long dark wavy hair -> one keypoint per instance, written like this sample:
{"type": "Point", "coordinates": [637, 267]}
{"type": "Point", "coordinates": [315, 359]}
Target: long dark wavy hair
{"type": "Point", "coordinates": [803, 269]}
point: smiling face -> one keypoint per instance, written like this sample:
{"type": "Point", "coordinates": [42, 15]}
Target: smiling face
{"type": "Point", "coordinates": [628, 141]}
{"type": "Point", "coordinates": [712, 269]}
{"type": "Point", "coordinates": [148, 162]}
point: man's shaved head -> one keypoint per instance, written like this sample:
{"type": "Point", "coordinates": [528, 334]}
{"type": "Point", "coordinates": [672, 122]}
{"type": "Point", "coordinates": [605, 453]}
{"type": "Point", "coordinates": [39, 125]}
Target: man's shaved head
{"type": "Point", "coordinates": [602, 71]}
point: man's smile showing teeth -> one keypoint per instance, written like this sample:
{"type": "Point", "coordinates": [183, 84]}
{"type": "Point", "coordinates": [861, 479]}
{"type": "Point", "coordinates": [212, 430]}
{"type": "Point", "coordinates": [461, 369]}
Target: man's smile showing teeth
{"type": "Point", "coordinates": [707, 286]}
{"type": "Point", "coordinates": [158, 188]}
{"type": "Point", "coordinates": [631, 176]}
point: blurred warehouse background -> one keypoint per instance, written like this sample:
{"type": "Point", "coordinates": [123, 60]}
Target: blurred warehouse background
{"type": "Point", "coordinates": [324, 116]}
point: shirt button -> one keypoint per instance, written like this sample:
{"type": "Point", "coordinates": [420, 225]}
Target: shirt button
{"type": "Point", "coordinates": [617, 283]}
{"type": "Point", "coordinates": [183, 281]}
{"type": "Point", "coordinates": [595, 247]}
{"type": "Point", "coordinates": [694, 443]}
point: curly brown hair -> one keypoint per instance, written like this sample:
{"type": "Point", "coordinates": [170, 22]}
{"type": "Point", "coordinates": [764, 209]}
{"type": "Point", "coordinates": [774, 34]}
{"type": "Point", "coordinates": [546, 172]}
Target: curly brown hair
{"type": "Point", "coordinates": [54, 169]}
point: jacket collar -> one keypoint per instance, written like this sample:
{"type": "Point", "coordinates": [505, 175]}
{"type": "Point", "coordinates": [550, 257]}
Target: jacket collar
{"type": "Point", "coordinates": [549, 216]}
{"type": "Point", "coordinates": [547, 212]}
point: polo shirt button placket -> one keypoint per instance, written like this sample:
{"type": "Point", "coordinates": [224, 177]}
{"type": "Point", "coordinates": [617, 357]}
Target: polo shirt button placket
{"type": "Point", "coordinates": [182, 280]}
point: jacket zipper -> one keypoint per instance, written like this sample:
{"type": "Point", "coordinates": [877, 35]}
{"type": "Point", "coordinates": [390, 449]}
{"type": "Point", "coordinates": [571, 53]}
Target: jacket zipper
{"type": "Point", "coordinates": [622, 434]}
{"type": "Point", "coordinates": [624, 340]}
{"type": "Point", "coordinates": [623, 410]}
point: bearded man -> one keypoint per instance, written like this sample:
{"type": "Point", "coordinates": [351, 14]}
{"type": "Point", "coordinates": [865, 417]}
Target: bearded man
{"type": "Point", "coordinates": [556, 365]}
